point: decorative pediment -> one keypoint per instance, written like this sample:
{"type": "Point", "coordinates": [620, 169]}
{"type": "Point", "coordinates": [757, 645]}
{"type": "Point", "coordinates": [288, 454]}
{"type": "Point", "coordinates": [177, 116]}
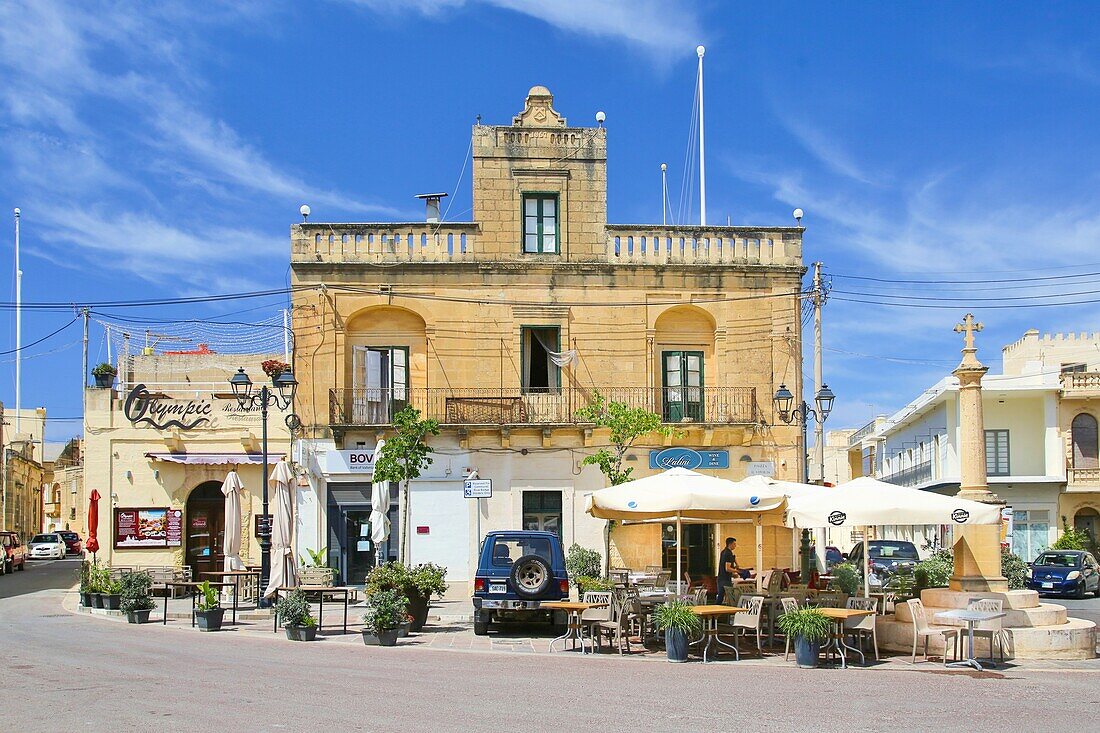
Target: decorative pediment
{"type": "Point", "coordinates": [538, 110]}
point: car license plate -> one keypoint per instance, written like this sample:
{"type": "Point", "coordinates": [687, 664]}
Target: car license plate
{"type": "Point", "coordinates": [1048, 585]}
{"type": "Point", "coordinates": [498, 587]}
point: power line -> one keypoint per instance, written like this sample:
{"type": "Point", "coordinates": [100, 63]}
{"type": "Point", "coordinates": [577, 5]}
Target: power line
{"type": "Point", "coordinates": [956, 307]}
{"type": "Point", "coordinates": [35, 343]}
{"type": "Point", "coordinates": [964, 282]}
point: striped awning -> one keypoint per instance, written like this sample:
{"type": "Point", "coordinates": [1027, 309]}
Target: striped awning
{"type": "Point", "coordinates": [215, 459]}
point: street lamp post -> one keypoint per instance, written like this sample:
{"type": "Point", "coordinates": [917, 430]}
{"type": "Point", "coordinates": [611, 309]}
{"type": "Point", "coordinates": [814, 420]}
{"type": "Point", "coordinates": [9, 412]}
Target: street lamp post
{"type": "Point", "coordinates": [802, 414]}
{"type": "Point", "coordinates": [281, 396]}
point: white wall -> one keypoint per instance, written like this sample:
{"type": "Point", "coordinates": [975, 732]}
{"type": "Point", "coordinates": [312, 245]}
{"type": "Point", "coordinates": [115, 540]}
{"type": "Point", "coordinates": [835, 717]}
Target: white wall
{"type": "Point", "coordinates": [440, 506]}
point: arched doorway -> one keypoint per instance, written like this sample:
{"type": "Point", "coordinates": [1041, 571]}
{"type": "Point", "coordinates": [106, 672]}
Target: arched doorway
{"type": "Point", "coordinates": [1087, 520]}
{"type": "Point", "coordinates": [205, 543]}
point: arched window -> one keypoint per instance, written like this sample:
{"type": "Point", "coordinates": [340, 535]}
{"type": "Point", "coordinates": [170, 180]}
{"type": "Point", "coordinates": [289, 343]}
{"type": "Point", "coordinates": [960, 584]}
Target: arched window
{"type": "Point", "coordinates": [1085, 445]}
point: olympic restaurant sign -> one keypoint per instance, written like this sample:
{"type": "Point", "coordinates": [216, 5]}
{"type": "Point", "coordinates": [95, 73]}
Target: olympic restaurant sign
{"type": "Point", "coordinates": [158, 411]}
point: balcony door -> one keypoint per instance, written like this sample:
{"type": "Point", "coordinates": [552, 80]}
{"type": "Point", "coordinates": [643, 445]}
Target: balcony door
{"type": "Point", "coordinates": [380, 383]}
{"type": "Point", "coordinates": [683, 385]}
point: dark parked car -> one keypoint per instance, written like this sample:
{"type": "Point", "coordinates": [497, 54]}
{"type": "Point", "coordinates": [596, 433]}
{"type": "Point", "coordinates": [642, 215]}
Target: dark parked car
{"type": "Point", "coordinates": [833, 556]}
{"type": "Point", "coordinates": [14, 552]}
{"type": "Point", "coordinates": [72, 542]}
{"type": "Point", "coordinates": [887, 556]}
{"type": "Point", "coordinates": [517, 572]}
{"type": "Point", "coordinates": [1065, 572]}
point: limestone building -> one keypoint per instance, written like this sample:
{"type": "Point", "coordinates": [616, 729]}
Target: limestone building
{"type": "Point", "coordinates": [157, 447]}
{"type": "Point", "coordinates": [21, 449]}
{"type": "Point", "coordinates": [501, 328]}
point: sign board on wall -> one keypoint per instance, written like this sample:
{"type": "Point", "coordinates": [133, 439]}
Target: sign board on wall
{"type": "Point", "coordinates": [149, 527]}
{"type": "Point", "coordinates": [350, 461]}
{"type": "Point", "coordinates": [477, 488]}
{"type": "Point", "coordinates": [761, 468]}
{"type": "Point", "coordinates": [688, 458]}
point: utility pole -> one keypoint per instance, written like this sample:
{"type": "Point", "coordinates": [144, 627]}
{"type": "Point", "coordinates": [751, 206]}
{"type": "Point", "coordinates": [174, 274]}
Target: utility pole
{"type": "Point", "coordinates": [664, 194]}
{"type": "Point", "coordinates": [819, 424]}
{"type": "Point", "coordinates": [84, 355]}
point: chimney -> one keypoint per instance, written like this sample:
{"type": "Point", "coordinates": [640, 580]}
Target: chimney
{"type": "Point", "coordinates": [431, 201]}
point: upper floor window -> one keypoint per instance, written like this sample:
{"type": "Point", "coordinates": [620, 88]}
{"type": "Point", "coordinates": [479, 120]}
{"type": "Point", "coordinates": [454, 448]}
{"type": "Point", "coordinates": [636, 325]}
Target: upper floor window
{"type": "Point", "coordinates": [540, 223]}
{"type": "Point", "coordinates": [996, 453]}
{"type": "Point", "coordinates": [540, 372]}
{"type": "Point", "coordinates": [1083, 434]}
{"type": "Point", "coordinates": [1075, 368]}
{"type": "Point", "coordinates": [380, 381]}
{"type": "Point", "coordinates": [682, 379]}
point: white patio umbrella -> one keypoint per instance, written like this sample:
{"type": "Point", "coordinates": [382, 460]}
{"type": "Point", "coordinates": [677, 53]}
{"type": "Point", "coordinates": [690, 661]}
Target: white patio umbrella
{"type": "Point", "coordinates": [231, 488]}
{"type": "Point", "coordinates": [379, 510]}
{"type": "Point", "coordinates": [867, 502]}
{"type": "Point", "coordinates": [283, 572]}
{"type": "Point", "coordinates": [679, 495]}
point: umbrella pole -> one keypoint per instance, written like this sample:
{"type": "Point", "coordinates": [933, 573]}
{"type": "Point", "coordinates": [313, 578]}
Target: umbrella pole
{"type": "Point", "coordinates": [866, 564]}
{"type": "Point", "coordinates": [759, 552]}
{"type": "Point", "coordinates": [679, 560]}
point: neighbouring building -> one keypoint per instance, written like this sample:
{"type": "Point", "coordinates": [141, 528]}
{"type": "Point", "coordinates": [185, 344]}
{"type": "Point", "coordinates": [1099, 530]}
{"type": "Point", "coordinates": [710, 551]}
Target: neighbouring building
{"type": "Point", "coordinates": [65, 503]}
{"type": "Point", "coordinates": [21, 449]}
{"type": "Point", "coordinates": [157, 447]}
{"type": "Point", "coordinates": [501, 328]}
{"type": "Point", "coordinates": [1041, 442]}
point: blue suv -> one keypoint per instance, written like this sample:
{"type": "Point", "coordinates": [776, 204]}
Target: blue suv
{"type": "Point", "coordinates": [518, 571]}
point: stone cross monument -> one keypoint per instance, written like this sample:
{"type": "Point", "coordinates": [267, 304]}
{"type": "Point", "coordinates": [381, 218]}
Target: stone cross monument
{"type": "Point", "coordinates": [977, 548]}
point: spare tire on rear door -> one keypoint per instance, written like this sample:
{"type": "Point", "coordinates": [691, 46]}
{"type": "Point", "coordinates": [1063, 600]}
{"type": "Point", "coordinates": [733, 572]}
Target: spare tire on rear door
{"type": "Point", "coordinates": [531, 576]}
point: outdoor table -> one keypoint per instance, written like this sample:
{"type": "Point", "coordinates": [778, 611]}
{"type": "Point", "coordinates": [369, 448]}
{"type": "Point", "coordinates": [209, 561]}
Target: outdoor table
{"type": "Point", "coordinates": [838, 616]}
{"type": "Point", "coordinates": [642, 578]}
{"type": "Point", "coordinates": [344, 591]}
{"type": "Point", "coordinates": [573, 630]}
{"type": "Point", "coordinates": [236, 575]}
{"type": "Point", "coordinates": [191, 585]}
{"type": "Point", "coordinates": [710, 616]}
{"type": "Point", "coordinates": [971, 618]}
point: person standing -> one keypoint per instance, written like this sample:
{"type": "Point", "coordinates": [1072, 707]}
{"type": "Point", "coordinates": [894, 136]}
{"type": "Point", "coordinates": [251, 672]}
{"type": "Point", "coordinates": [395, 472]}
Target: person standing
{"type": "Point", "coordinates": [727, 567]}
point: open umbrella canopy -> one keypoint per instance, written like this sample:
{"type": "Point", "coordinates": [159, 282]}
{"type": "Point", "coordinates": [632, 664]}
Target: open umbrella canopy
{"type": "Point", "coordinates": [680, 493]}
{"type": "Point", "coordinates": [92, 544]}
{"type": "Point", "coordinates": [868, 502]}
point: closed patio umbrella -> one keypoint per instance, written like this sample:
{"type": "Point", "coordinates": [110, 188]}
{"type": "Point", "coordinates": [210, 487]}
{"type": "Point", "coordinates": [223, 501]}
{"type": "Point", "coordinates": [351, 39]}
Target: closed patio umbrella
{"type": "Point", "coordinates": [283, 573]}
{"type": "Point", "coordinates": [231, 487]}
{"type": "Point", "coordinates": [379, 511]}
{"type": "Point", "coordinates": [92, 545]}
{"type": "Point", "coordinates": [678, 494]}
{"type": "Point", "coordinates": [868, 502]}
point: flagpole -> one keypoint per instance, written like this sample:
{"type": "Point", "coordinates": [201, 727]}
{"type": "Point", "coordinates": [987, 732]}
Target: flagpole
{"type": "Point", "coordinates": [18, 326]}
{"type": "Point", "coordinates": [702, 154]}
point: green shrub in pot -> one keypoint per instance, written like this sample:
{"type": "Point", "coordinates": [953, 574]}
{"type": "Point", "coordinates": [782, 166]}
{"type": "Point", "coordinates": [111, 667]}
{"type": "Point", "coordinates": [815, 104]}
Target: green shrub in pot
{"type": "Point", "coordinates": [848, 578]}
{"type": "Point", "coordinates": [809, 628]}
{"type": "Point", "coordinates": [679, 622]}
{"type": "Point", "coordinates": [296, 616]}
{"type": "Point", "coordinates": [386, 610]}
{"type": "Point", "coordinates": [136, 594]}
{"type": "Point", "coordinates": [208, 608]}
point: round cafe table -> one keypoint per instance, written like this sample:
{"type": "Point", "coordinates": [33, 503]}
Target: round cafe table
{"type": "Point", "coordinates": [574, 627]}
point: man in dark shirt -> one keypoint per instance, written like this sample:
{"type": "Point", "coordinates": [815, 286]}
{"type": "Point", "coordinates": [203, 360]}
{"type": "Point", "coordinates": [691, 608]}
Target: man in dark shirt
{"type": "Point", "coordinates": [727, 566]}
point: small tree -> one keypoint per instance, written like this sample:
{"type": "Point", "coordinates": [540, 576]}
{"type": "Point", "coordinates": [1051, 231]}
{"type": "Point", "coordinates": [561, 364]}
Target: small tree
{"type": "Point", "coordinates": [404, 457]}
{"type": "Point", "coordinates": [627, 424]}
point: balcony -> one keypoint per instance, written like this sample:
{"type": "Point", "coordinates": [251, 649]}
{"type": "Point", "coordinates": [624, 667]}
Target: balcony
{"type": "Point", "coordinates": [1082, 479]}
{"type": "Point", "coordinates": [862, 433]}
{"type": "Point", "coordinates": [913, 476]}
{"type": "Point", "coordinates": [497, 407]}
{"type": "Point", "coordinates": [632, 245]}
{"type": "Point", "coordinates": [1081, 384]}
{"type": "Point", "coordinates": [52, 508]}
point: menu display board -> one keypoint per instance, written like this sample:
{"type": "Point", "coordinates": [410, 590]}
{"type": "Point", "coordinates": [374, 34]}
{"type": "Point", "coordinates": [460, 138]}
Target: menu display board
{"type": "Point", "coordinates": [148, 527]}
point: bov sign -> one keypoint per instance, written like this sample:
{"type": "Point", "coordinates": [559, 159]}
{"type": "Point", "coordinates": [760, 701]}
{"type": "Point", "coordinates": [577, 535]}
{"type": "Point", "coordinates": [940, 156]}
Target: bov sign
{"type": "Point", "coordinates": [688, 458]}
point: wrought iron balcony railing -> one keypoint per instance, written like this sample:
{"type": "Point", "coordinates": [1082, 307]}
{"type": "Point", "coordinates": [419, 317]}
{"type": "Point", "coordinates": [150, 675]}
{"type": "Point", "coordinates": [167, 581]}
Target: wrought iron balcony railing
{"type": "Point", "coordinates": [494, 406]}
{"type": "Point", "coordinates": [914, 476]}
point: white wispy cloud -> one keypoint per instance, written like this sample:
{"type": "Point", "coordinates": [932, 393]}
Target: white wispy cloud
{"type": "Point", "coordinates": [101, 97]}
{"type": "Point", "coordinates": [667, 26]}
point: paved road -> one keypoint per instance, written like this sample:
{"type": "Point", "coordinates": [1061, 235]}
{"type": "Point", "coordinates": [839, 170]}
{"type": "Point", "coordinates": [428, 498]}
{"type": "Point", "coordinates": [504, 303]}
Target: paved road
{"type": "Point", "coordinates": [67, 672]}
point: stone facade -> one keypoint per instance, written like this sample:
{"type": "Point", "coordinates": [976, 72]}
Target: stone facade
{"type": "Point", "coordinates": [459, 301]}
{"type": "Point", "coordinates": [22, 470]}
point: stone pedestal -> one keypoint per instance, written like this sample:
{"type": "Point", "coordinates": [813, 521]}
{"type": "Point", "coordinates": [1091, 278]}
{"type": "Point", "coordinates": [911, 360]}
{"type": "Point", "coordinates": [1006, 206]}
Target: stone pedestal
{"type": "Point", "coordinates": [978, 559]}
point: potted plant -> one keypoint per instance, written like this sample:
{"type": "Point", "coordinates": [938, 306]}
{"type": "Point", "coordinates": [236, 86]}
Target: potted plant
{"type": "Point", "coordinates": [112, 594]}
{"type": "Point", "coordinates": [678, 622]}
{"type": "Point", "coordinates": [273, 367]}
{"type": "Point", "coordinates": [386, 609]}
{"type": "Point", "coordinates": [137, 597]}
{"type": "Point", "coordinates": [809, 628]}
{"type": "Point", "coordinates": [294, 612]}
{"type": "Point", "coordinates": [104, 374]}
{"type": "Point", "coordinates": [848, 578]}
{"type": "Point", "coordinates": [417, 584]}
{"type": "Point", "coordinates": [98, 579]}
{"type": "Point", "coordinates": [208, 609]}
{"type": "Point", "coordinates": [86, 585]}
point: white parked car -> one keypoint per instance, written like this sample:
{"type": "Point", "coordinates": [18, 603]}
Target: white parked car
{"type": "Point", "coordinates": [47, 546]}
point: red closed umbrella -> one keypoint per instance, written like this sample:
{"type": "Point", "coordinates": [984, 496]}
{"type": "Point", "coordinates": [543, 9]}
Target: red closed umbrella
{"type": "Point", "coordinates": [92, 545]}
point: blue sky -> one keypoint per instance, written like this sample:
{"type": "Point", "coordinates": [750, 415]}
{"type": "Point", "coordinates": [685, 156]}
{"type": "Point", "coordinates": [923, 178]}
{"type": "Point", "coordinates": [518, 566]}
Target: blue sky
{"type": "Point", "coordinates": [154, 149]}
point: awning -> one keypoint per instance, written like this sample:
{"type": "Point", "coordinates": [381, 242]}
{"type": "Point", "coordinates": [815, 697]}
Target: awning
{"type": "Point", "coordinates": [216, 459]}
